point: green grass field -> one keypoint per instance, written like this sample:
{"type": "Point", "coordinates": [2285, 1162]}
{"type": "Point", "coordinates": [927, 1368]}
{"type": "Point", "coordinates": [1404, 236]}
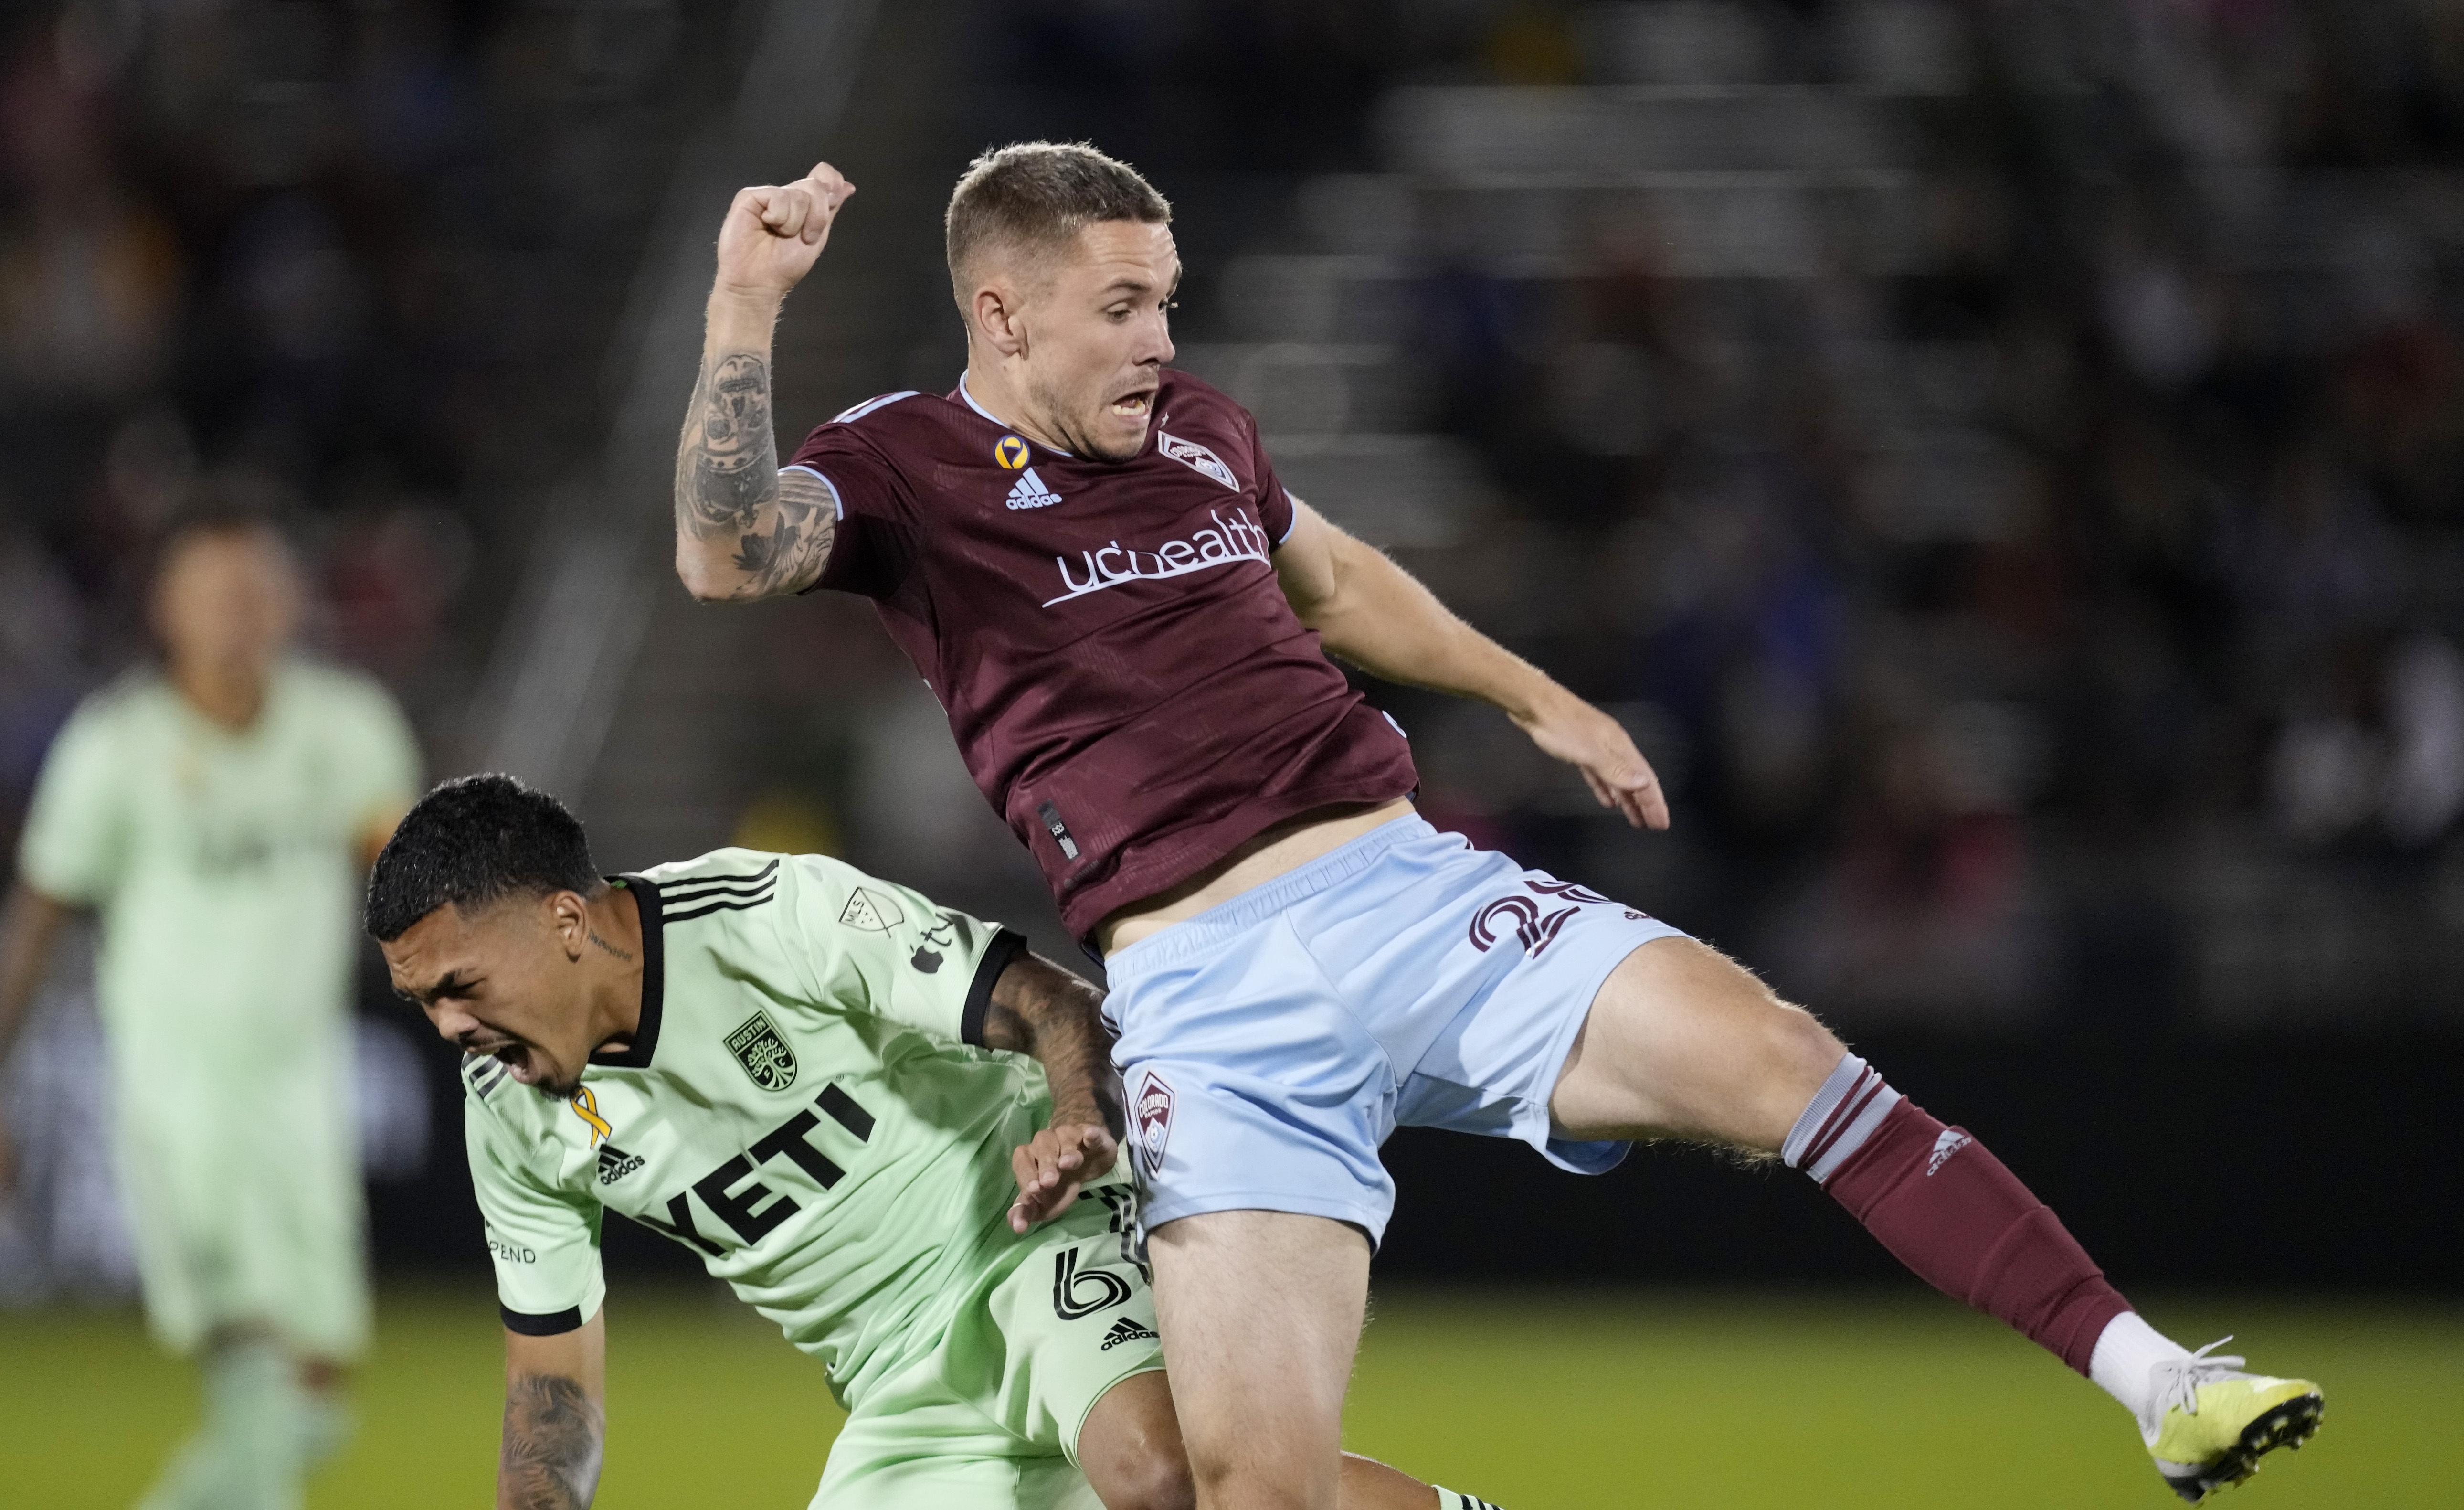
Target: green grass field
{"type": "Point", "coordinates": [1580, 1399]}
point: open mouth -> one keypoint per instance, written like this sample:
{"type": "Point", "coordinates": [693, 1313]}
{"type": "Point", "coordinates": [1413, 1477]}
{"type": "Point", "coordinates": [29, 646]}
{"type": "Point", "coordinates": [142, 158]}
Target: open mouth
{"type": "Point", "coordinates": [1134, 406]}
{"type": "Point", "coordinates": [512, 1054]}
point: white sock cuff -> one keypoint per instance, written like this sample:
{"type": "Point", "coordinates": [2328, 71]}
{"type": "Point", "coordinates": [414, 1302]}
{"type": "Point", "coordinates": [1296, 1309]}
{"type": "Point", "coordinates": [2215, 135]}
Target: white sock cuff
{"type": "Point", "coordinates": [2126, 1354]}
{"type": "Point", "coordinates": [1453, 1500]}
{"type": "Point", "coordinates": [1835, 1123]}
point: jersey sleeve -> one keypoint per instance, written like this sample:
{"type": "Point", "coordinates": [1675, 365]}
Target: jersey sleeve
{"type": "Point", "coordinates": [75, 840]}
{"type": "Point", "coordinates": [1275, 508]}
{"type": "Point", "coordinates": [869, 945]}
{"type": "Point", "coordinates": [544, 1242]}
{"type": "Point", "coordinates": [381, 759]}
{"type": "Point", "coordinates": [870, 556]}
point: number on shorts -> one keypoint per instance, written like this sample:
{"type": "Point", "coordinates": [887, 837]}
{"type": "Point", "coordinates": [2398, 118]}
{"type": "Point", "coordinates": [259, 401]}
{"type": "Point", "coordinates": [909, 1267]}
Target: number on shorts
{"type": "Point", "coordinates": [1082, 1292]}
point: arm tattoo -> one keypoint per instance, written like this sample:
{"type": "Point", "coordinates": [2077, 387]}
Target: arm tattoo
{"type": "Point", "coordinates": [1040, 1009]}
{"type": "Point", "coordinates": [553, 1436]}
{"type": "Point", "coordinates": [790, 556]}
{"type": "Point", "coordinates": [728, 471]}
{"type": "Point", "coordinates": [728, 483]}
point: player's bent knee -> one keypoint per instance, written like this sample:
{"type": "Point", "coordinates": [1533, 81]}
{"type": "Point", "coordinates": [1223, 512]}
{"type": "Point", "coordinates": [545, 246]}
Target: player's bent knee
{"type": "Point", "coordinates": [1130, 1447]}
{"type": "Point", "coordinates": [1153, 1481]}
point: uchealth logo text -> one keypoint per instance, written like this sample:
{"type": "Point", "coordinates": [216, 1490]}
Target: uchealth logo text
{"type": "Point", "coordinates": [1230, 541]}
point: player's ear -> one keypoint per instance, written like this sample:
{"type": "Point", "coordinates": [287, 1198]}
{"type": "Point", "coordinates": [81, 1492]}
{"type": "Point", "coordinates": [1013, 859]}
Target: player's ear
{"type": "Point", "coordinates": [568, 915]}
{"type": "Point", "coordinates": [995, 316]}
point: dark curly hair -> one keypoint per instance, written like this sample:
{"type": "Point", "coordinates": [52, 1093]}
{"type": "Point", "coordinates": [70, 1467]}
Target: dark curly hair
{"type": "Point", "coordinates": [474, 841]}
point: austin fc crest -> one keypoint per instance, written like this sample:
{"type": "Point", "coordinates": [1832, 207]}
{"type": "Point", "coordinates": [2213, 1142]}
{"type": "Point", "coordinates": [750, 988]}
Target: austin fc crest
{"type": "Point", "coordinates": [764, 1054]}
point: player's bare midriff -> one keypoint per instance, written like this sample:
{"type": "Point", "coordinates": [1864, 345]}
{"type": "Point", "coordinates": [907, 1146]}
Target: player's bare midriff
{"type": "Point", "coordinates": [1288, 845]}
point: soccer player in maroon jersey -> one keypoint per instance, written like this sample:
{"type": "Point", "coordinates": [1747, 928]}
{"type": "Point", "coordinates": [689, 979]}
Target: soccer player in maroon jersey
{"type": "Point", "coordinates": [1128, 620]}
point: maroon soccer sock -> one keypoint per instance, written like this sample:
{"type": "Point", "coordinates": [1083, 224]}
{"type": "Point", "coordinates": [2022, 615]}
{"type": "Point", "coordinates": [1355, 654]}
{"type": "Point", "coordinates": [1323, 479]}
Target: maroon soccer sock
{"type": "Point", "coordinates": [1948, 1210]}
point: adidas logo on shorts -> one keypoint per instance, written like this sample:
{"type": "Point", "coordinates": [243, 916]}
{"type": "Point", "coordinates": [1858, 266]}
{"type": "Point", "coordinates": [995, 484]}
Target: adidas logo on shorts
{"type": "Point", "coordinates": [614, 1163]}
{"type": "Point", "coordinates": [1126, 1330]}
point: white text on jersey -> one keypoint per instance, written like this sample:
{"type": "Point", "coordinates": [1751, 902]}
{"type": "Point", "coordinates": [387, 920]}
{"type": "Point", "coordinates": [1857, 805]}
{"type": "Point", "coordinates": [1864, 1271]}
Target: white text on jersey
{"type": "Point", "coordinates": [1232, 539]}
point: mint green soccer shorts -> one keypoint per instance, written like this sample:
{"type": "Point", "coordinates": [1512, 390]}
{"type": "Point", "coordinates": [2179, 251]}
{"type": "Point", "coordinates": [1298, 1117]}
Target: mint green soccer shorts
{"type": "Point", "coordinates": [989, 1419]}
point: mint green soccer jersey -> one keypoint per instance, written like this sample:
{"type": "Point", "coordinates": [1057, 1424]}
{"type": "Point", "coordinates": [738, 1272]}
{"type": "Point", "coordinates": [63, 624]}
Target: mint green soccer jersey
{"type": "Point", "coordinates": [225, 867]}
{"type": "Point", "coordinates": [805, 1106]}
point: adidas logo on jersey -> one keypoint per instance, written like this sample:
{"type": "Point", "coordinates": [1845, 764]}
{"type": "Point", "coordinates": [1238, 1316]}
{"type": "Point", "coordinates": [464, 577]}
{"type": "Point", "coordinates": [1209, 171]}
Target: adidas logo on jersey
{"type": "Point", "coordinates": [1030, 492]}
{"type": "Point", "coordinates": [1126, 1330]}
{"type": "Point", "coordinates": [614, 1163]}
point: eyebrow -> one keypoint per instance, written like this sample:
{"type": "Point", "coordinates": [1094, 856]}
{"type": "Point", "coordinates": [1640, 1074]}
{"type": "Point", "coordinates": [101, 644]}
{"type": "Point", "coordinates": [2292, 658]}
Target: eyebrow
{"type": "Point", "coordinates": [1139, 285]}
{"type": "Point", "coordinates": [451, 981]}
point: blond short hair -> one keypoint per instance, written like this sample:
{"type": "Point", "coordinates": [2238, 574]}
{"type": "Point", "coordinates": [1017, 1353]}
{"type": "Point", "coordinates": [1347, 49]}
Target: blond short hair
{"type": "Point", "coordinates": [1033, 198]}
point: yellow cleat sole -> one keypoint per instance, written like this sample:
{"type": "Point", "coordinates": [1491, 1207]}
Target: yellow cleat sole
{"type": "Point", "coordinates": [2287, 1425]}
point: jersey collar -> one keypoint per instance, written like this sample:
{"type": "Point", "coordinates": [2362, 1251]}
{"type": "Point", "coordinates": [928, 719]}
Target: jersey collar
{"type": "Point", "coordinates": [969, 400]}
{"type": "Point", "coordinates": [654, 979]}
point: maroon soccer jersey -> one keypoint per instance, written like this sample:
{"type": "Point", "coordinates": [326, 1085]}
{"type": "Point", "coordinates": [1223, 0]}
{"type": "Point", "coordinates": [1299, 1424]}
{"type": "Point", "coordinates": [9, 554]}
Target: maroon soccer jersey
{"type": "Point", "coordinates": [1126, 680]}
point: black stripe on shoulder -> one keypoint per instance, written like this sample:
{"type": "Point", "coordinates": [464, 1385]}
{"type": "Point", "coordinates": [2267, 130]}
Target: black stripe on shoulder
{"type": "Point", "coordinates": [719, 907]}
{"type": "Point", "coordinates": [1003, 947]}
{"type": "Point", "coordinates": [682, 883]}
{"type": "Point", "coordinates": [550, 1323]}
{"type": "Point", "coordinates": [700, 893]}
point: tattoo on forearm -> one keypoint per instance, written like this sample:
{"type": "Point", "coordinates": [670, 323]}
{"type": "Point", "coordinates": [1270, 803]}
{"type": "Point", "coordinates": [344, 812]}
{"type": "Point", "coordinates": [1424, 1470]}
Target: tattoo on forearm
{"type": "Point", "coordinates": [729, 470]}
{"type": "Point", "coordinates": [1040, 1009]}
{"type": "Point", "coordinates": [553, 1436]}
{"type": "Point", "coordinates": [728, 483]}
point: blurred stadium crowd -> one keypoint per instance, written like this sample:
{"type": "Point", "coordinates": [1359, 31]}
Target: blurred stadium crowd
{"type": "Point", "coordinates": [2006, 460]}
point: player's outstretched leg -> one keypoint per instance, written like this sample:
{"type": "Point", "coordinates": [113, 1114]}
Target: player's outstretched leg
{"type": "Point", "coordinates": [1683, 1043]}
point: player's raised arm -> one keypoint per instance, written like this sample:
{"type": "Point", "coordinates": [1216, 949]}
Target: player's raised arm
{"type": "Point", "coordinates": [556, 1418]}
{"type": "Point", "coordinates": [744, 530]}
{"type": "Point", "coordinates": [1040, 1009]}
{"type": "Point", "coordinates": [1374, 614]}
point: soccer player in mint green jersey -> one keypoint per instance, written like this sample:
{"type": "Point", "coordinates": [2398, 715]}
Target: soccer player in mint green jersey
{"type": "Point", "coordinates": [886, 1124]}
{"type": "Point", "coordinates": [218, 813]}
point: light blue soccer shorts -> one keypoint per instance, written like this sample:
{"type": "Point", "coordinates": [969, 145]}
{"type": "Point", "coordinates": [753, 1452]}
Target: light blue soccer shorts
{"type": "Point", "coordinates": [1269, 1045]}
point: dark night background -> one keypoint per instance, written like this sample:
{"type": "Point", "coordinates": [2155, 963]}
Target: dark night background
{"type": "Point", "coordinates": [2005, 461]}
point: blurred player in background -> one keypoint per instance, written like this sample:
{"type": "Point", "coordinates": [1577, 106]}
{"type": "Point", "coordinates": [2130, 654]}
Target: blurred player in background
{"type": "Point", "coordinates": [217, 811]}
{"type": "Point", "coordinates": [1129, 621]}
{"type": "Point", "coordinates": [883, 1123]}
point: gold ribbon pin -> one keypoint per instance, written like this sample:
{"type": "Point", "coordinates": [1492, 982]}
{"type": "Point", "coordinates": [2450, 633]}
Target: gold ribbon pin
{"type": "Point", "coordinates": [586, 1106]}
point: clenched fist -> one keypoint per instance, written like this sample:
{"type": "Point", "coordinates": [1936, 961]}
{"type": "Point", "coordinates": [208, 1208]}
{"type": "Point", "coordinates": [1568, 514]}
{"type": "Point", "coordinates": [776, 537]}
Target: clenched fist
{"type": "Point", "coordinates": [773, 233]}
